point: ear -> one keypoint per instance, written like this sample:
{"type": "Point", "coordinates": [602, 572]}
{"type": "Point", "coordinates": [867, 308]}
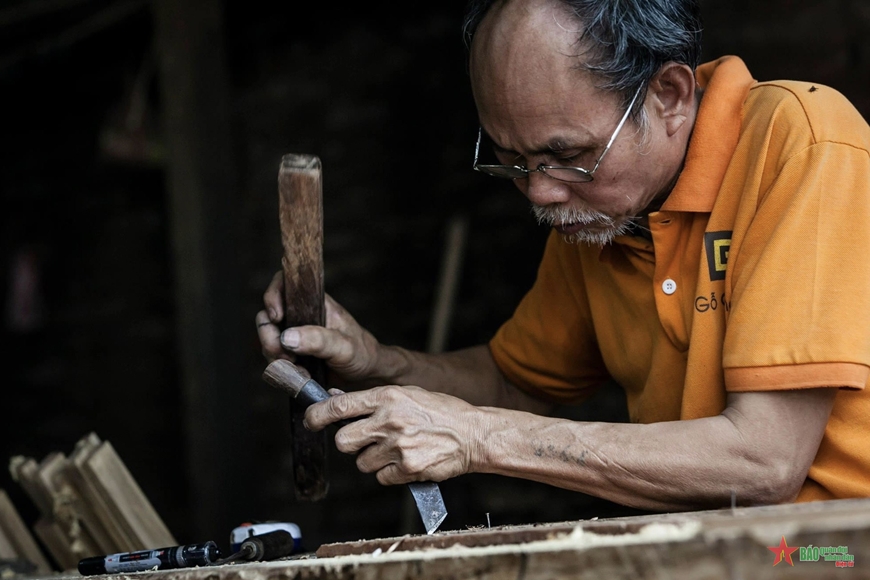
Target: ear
{"type": "Point", "coordinates": [671, 95]}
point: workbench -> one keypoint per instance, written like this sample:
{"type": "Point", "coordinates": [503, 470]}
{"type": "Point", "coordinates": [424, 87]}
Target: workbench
{"type": "Point", "coordinates": [795, 541]}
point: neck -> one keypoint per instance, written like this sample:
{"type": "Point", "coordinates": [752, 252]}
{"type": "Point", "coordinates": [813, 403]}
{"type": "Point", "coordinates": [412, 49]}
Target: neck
{"type": "Point", "coordinates": [659, 200]}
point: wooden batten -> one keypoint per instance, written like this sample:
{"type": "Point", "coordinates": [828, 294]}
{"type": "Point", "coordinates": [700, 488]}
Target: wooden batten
{"type": "Point", "coordinates": [94, 510]}
{"type": "Point", "coordinates": [129, 508]}
{"type": "Point", "coordinates": [16, 541]}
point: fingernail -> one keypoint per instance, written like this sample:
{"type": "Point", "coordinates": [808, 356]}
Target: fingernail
{"type": "Point", "coordinates": [273, 314]}
{"type": "Point", "coordinates": [290, 339]}
{"type": "Point", "coordinates": [305, 424]}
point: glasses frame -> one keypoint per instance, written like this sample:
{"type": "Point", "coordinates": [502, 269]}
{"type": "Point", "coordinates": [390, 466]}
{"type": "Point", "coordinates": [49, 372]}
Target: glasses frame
{"type": "Point", "coordinates": [584, 175]}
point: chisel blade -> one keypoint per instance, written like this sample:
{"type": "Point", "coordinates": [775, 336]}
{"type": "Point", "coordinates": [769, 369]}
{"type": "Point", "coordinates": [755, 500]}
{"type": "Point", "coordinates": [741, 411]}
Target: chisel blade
{"type": "Point", "coordinates": [430, 504]}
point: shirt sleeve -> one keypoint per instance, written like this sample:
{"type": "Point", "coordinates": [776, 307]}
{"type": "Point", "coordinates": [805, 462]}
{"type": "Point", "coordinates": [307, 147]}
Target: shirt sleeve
{"type": "Point", "coordinates": [800, 305]}
{"type": "Point", "coordinates": [547, 348]}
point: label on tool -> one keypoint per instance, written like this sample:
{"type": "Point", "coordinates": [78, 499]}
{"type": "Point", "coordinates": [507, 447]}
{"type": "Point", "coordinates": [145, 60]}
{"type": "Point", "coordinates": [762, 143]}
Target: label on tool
{"type": "Point", "coordinates": [133, 561]}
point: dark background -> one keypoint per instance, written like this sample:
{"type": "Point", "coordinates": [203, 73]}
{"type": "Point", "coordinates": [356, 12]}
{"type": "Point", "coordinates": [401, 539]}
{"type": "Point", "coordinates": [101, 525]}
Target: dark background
{"type": "Point", "coordinates": [140, 150]}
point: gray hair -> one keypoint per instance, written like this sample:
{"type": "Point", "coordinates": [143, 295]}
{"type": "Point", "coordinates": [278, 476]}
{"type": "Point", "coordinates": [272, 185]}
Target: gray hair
{"type": "Point", "coordinates": [625, 42]}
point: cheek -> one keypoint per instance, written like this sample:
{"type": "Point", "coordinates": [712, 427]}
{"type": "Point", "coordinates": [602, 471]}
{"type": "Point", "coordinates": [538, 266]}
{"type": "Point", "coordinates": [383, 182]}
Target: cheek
{"type": "Point", "coordinates": [619, 190]}
{"type": "Point", "coordinates": [613, 196]}
{"type": "Point", "coordinates": [618, 198]}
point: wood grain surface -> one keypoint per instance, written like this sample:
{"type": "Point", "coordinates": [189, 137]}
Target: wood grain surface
{"type": "Point", "coordinates": [300, 192]}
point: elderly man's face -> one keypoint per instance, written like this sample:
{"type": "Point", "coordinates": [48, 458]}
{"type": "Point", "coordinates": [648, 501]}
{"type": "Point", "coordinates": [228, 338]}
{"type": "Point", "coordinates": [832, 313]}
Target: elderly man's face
{"type": "Point", "coordinates": [537, 108]}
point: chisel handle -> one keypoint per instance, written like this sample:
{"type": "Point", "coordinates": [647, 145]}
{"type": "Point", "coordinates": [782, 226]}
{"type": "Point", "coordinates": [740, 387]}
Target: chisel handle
{"type": "Point", "coordinates": [285, 376]}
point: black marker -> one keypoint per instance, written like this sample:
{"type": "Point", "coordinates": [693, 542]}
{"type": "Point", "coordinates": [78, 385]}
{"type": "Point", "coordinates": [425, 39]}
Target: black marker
{"type": "Point", "coordinates": [161, 559]}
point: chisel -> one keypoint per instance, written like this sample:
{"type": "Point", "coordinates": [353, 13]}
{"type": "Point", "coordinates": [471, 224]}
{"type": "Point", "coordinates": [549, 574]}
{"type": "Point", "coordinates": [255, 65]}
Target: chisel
{"type": "Point", "coordinates": [284, 375]}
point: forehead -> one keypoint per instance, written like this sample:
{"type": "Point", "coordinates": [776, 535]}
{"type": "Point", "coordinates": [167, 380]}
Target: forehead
{"type": "Point", "coordinates": [526, 72]}
{"type": "Point", "coordinates": [522, 42]}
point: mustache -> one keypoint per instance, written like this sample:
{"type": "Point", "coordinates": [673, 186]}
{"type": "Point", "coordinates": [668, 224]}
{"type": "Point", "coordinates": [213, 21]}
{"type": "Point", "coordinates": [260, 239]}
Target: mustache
{"type": "Point", "coordinates": [605, 229]}
{"type": "Point", "coordinates": [554, 215]}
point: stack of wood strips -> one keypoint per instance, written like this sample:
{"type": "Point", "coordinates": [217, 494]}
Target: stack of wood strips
{"type": "Point", "coordinates": [89, 504]}
{"type": "Point", "coordinates": [17, 546]}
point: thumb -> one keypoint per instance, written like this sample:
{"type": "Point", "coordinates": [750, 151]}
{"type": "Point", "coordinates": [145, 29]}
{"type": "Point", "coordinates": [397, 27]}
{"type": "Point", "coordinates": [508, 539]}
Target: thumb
{"type": "Point", "coordinates": [317, 341]}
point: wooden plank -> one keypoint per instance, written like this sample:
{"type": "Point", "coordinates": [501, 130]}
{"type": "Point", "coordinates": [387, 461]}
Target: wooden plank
{"type": "Point", "coordinates": [711, 519]}
{"type": "Point", "coordinates": [57, 543]}
{"type": "Point", "coordinates": [24, 471]}
{"type": "Point", "coordinates": [128, 505]}
{"type": "Point", "coordinates": [94, 509]}
{"type": "Point", "coordinates": [19, 537]}
{"type": "Point", "coordinates": [61, 509]}
{"type": "Point", "coordinates": [59, 526]}
{"type": "Point", "coordinates": [300, 210]}
{"type": "Point", "coordinates": [715, 545]}
{"type": "Point", "coordinates": [7, 548]}
{"type": "Point", "coordinates": [60, 505]}
{"type": "Point", "coordinates": [8, 551]}
{"type": "Point", "coordinates": [67, 505]}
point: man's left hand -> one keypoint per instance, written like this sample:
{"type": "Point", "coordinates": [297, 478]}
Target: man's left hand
{"type": "Point", "coordinates": [403, 434]}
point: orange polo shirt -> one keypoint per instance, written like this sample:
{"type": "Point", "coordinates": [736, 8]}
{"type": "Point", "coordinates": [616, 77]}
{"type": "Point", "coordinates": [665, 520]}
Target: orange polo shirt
{"type": "Point", "coordinates": [757, 277]}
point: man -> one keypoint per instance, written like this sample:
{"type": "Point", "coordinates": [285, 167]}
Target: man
{"type": "Point", "coordinates": [709, 254]}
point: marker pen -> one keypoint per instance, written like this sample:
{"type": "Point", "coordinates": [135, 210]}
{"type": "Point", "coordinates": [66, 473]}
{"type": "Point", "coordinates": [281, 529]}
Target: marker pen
{"type": "Point", "coordinates": [161, 559]}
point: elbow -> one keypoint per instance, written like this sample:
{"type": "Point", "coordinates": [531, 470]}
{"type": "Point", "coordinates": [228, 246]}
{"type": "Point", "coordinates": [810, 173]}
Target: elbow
{"type": "Point", "coordinates": [772, 482]}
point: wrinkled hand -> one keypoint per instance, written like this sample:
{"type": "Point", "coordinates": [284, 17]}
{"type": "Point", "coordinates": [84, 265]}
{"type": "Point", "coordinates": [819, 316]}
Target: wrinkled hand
{"type": "Point", "coordinates": [348, 349]}
{"type": "Point", "coordinates": [405, 433]}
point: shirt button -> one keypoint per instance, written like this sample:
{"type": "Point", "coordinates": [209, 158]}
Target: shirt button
{"type": "Point", "coordinates": [669, 286]}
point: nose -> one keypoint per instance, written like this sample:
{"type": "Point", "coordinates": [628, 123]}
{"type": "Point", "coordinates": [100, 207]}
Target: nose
{"type": "Point", "coordinates": [543, 190]}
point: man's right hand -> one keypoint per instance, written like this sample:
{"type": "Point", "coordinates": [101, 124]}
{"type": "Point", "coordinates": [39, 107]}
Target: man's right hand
{"type": "Point", "coordinates": [348, 349]}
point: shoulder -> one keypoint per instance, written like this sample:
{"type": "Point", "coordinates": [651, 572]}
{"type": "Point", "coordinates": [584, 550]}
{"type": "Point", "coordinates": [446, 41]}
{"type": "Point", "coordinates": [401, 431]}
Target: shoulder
{"type": "Point", "coordinates": [805, 114]}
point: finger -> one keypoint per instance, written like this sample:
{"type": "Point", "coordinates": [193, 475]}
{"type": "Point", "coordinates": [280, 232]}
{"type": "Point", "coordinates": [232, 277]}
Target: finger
{"type": "Point", "coordinates": [333, 308]}
{"type": "Point", "coordinates": [273, 298]}
{"type": "Point", "coordinates": [372, 459]}
{"type": "Point", "coordinates": [347, 406]}
{"type": "Point", "coordinates": [269, 336]}
{"type": "Point", "coordinates": [337, 316]}
{"type": "Point", "coordinates": [357, 438]}
{"type": "Point", "coordinates": [392, 475]}
{"type": "Point", "coordinates": [334, 392]}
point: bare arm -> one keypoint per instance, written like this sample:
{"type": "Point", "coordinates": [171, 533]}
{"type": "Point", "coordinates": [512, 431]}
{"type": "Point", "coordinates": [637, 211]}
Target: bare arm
{"type": "Point", "coordinates": [357, 357]}
{"type": "Point", "coordinates": [761, 447]}
{"type": "Point", "coordinates": [470, 374]}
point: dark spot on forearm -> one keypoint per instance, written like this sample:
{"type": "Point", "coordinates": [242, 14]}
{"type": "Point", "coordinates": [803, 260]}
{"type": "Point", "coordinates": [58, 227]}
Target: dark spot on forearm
{"type": "Point", "coordinates": [564, 455]}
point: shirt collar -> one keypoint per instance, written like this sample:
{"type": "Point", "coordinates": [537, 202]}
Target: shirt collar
{"type": "Point", "coordinates": [726, 82]}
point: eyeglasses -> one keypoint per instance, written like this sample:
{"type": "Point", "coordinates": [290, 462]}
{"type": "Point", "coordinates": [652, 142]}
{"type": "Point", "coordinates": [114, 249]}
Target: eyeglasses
{"type": "Point", "coordinates": [560, 172]}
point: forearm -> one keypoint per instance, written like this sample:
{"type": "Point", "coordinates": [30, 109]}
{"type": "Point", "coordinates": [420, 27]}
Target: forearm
{"type": "Point", "coordinates": [662, 466]}
{"type": "Point", "coordinates": [469, 374]}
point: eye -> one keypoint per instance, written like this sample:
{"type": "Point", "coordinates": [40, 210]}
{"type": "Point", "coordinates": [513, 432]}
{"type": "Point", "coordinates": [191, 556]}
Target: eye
{"type": "Point", "coordinates": [571, 156]}
{"type": "Point", "coordinates": [564, 159]}
{"type": "Point", "coordinates": [508, 157]}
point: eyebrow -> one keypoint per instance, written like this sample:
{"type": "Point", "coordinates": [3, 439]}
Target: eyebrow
{"type": "Point", "coordinates": [556, 145]}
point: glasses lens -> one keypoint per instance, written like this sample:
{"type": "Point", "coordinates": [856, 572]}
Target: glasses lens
{"type": "Point", "coordinates": [572, 174]}
{"type": "Point", "coordinates": [507, 171]}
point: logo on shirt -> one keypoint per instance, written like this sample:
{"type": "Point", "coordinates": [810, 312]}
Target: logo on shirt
{"type": "Point", "coordinates": [718, 245]}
